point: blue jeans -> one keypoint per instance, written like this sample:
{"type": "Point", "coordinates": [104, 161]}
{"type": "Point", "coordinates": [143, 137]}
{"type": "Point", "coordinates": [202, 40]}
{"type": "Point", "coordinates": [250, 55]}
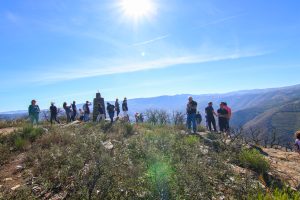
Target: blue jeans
{"type": "Point", "coordinates": [191, 119]}
{"type": "Point", "coordinates": [86, 117]}
{"type": "Point", "coordinates": [111, 116]}
{"type": "Point", "coordinates": [34, 118]}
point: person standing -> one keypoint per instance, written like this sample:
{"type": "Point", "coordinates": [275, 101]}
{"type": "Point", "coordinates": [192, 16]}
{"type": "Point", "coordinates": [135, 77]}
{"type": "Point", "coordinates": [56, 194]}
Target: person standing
{"type": "Point", "coordinates": [74, 111]}
{"type": "Point", "coordinates": [228, 116]}
{"type": "Point", "coordinates": [87, 111]}
{"type": "Point", "coordinates": [198, 118]}
{"type": "Point", "coordinates": [111, 112]}
{"type": "Point", "coordinates": [191, 114]}
{"type": "Point", "coordinates": [34, 112]}
{"type": "Point", "coordinates": [101, 115]}
{"type": "Point", "coordinates": [297, 142]}
{"type": "Point", "coordinates": [81, 115]}
{"type": "Point", "coordinates": [222, 118]}
{"type": "Point", "coordinates": [125, 109]}
{"type": "Point", "coordinates": [117, 107]}
{"type": "Point", "coordinates": [210, 116]}
{"type": "Point", "coordinates": [68, 111]}
{"type": "Point", "coordinates": [53, 114]}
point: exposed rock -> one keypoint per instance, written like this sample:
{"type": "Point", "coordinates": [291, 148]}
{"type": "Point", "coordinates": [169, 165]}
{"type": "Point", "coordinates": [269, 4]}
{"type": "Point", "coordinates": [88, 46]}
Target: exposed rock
{"type": "Point", "coordinates": [8, 179]}
{"type": "Point", "coordinates": [75, 123]}
{"type": "Point", "coordinates": [36, 190]}
{"type": "Point", "coordinates": [108, 145]}
{"type": "Point", "coordinates": [15, 187]}
{"type": "Point", "coordinates": [45, 130]}
{"type": "Point", "coordinates": [60, 196]}
{"type": "Point", "coordinates": [284, 165]}
{"type": "Point", "coordinates": [20, 167]}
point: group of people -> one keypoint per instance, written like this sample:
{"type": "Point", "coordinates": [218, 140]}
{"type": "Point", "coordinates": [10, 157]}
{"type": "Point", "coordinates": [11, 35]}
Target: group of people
{"type": "Point", "coordinates": [114, 109]}
{"type": "Point", "coordinates": [194, 118]}
{"type": "Point", "coordinates": [73, 114]}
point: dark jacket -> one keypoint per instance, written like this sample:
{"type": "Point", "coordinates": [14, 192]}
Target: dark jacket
{"type": "Point", "coordinates": [33, 110]}
{"type": "Point", "coordinates": [191, 107]}
{"type": "Point", "coordinates": [110, 108]}
{"type": "Point", "coordinates": [53, 110]}
{"type": "Point", "coordinates": [101, 110]}
{"type": "Point", "coordinates": [124, 106]}
{"type": "Point", "coordinates": [117, 106]}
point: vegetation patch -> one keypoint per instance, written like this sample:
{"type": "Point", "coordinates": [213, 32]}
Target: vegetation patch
{"type": "Point", "coordinates": [252, 159]}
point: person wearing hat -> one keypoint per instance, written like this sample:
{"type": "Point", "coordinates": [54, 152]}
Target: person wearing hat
{"type": "Point", "coordinates": [191, 110]}
{"type": "Point", "coordinates": [53, 113]}
{"type": "Point", "coordinates": [34, 112]}
{"type": "Point", "coordinates": [86, 110]}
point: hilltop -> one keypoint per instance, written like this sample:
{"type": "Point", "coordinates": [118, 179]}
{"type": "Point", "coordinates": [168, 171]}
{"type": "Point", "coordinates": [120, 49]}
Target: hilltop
{"type": "Point", "coordinates": [274, 109]}
{"type": "Point", "coordinates": [144, 161]}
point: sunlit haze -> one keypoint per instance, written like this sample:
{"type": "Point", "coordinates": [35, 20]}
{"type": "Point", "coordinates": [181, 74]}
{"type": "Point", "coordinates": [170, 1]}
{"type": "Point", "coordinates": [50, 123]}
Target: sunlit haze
{"type": "Point", "coordinates": [61, 50]}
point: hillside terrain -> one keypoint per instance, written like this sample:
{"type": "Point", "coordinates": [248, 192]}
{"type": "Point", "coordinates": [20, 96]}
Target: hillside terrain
{"type": "Point", "coordinates": [265, 109]}
{"type": "Point", "coordinates": [124, 161]}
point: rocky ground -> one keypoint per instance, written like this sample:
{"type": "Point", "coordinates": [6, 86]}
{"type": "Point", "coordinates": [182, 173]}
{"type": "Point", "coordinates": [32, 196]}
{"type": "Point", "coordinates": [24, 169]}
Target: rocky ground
{"type": "Point", "coordinates": [284, 165]}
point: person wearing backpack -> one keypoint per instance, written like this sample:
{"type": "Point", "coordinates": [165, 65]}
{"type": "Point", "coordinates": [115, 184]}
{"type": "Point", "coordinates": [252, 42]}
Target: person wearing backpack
{"type": "Point", "coordinates": [191, 114]}
{"type": "Point", "coordinates": [34, 112]}
{"type": "Point", "coordinates": [86, 110]}
{"type": "Point", "coordinates": [111, 112]}
{"type": "Point", "coordinates": [297, 141]}
{"type": "Point", "coordinates": [117, 107]}
{"type": "Point", "coordinates": [53, 113]}
{"type": "Point", "coordinates": [68, 111]}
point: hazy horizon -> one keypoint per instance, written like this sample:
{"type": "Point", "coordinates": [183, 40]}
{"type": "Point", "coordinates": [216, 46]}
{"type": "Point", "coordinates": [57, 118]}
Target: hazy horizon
{"type": "Point", "coordinates": [59, 104]}
{"type": "Point", "coordinates": [60, 50]}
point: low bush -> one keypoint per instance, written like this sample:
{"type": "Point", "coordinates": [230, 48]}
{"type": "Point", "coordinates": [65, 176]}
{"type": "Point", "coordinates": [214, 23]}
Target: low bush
{"type": "Point", "coordinates": [201, 128]}
{"type": "Point", "coordinates": [4, 153]}
{"type": "Point", "coordinates": [277, 194]}
{"type": "Point", "coordinates": [252, 159]}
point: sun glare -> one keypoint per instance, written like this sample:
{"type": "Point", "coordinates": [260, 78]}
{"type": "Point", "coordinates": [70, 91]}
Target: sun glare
{"type": "Point", "coordinates": [137, 9]}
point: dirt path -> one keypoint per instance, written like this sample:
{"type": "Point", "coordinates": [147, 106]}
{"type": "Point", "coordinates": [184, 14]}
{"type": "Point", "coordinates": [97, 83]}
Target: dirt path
{"type": "Point", "coordinates": [286, 165]}
{"type": "Point", "coordinates": [11, 173]}
{"type": "Point", "coordinates": [6, 131]}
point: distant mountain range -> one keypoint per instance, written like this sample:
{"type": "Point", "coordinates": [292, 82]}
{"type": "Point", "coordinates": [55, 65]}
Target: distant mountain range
{"type": "Point", "coordinates": [275, 108]}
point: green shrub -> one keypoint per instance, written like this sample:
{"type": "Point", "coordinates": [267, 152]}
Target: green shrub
{"type": "Point", "coordinates": [4, 153]}
{"type": "Point", "coordinates": [201, 129]}
{"type": "Point", "coordinates": [252, 159]}
{"type": "Point", "coordinates": [277, 194]}
{"type": "Point", "coordinates": [20, 143]}
{"type": "Point", "coordinates": [128, 129]}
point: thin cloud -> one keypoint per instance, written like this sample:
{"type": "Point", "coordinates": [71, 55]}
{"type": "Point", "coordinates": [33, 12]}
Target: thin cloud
{"type": "Point", "coordinates": [97, 68]}
{"type": "Point", "coordinates": [218, 21]}
{"type": "Point", "coordinates": [152, 40]}
{"type": "Point", "coordinates": [12, 17]}
{"type": "Point", "coordinates": [201, 26]}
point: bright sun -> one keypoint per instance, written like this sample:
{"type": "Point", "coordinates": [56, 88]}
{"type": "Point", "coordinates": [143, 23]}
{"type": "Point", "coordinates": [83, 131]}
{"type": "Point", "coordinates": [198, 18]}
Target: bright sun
{"type": "Point", "coordinates": [137, 9]}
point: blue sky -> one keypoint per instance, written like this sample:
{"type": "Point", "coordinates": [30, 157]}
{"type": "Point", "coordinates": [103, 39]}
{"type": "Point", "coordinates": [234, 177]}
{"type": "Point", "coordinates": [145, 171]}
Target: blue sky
{"type": "Point", "coordinates": [63, 50]}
